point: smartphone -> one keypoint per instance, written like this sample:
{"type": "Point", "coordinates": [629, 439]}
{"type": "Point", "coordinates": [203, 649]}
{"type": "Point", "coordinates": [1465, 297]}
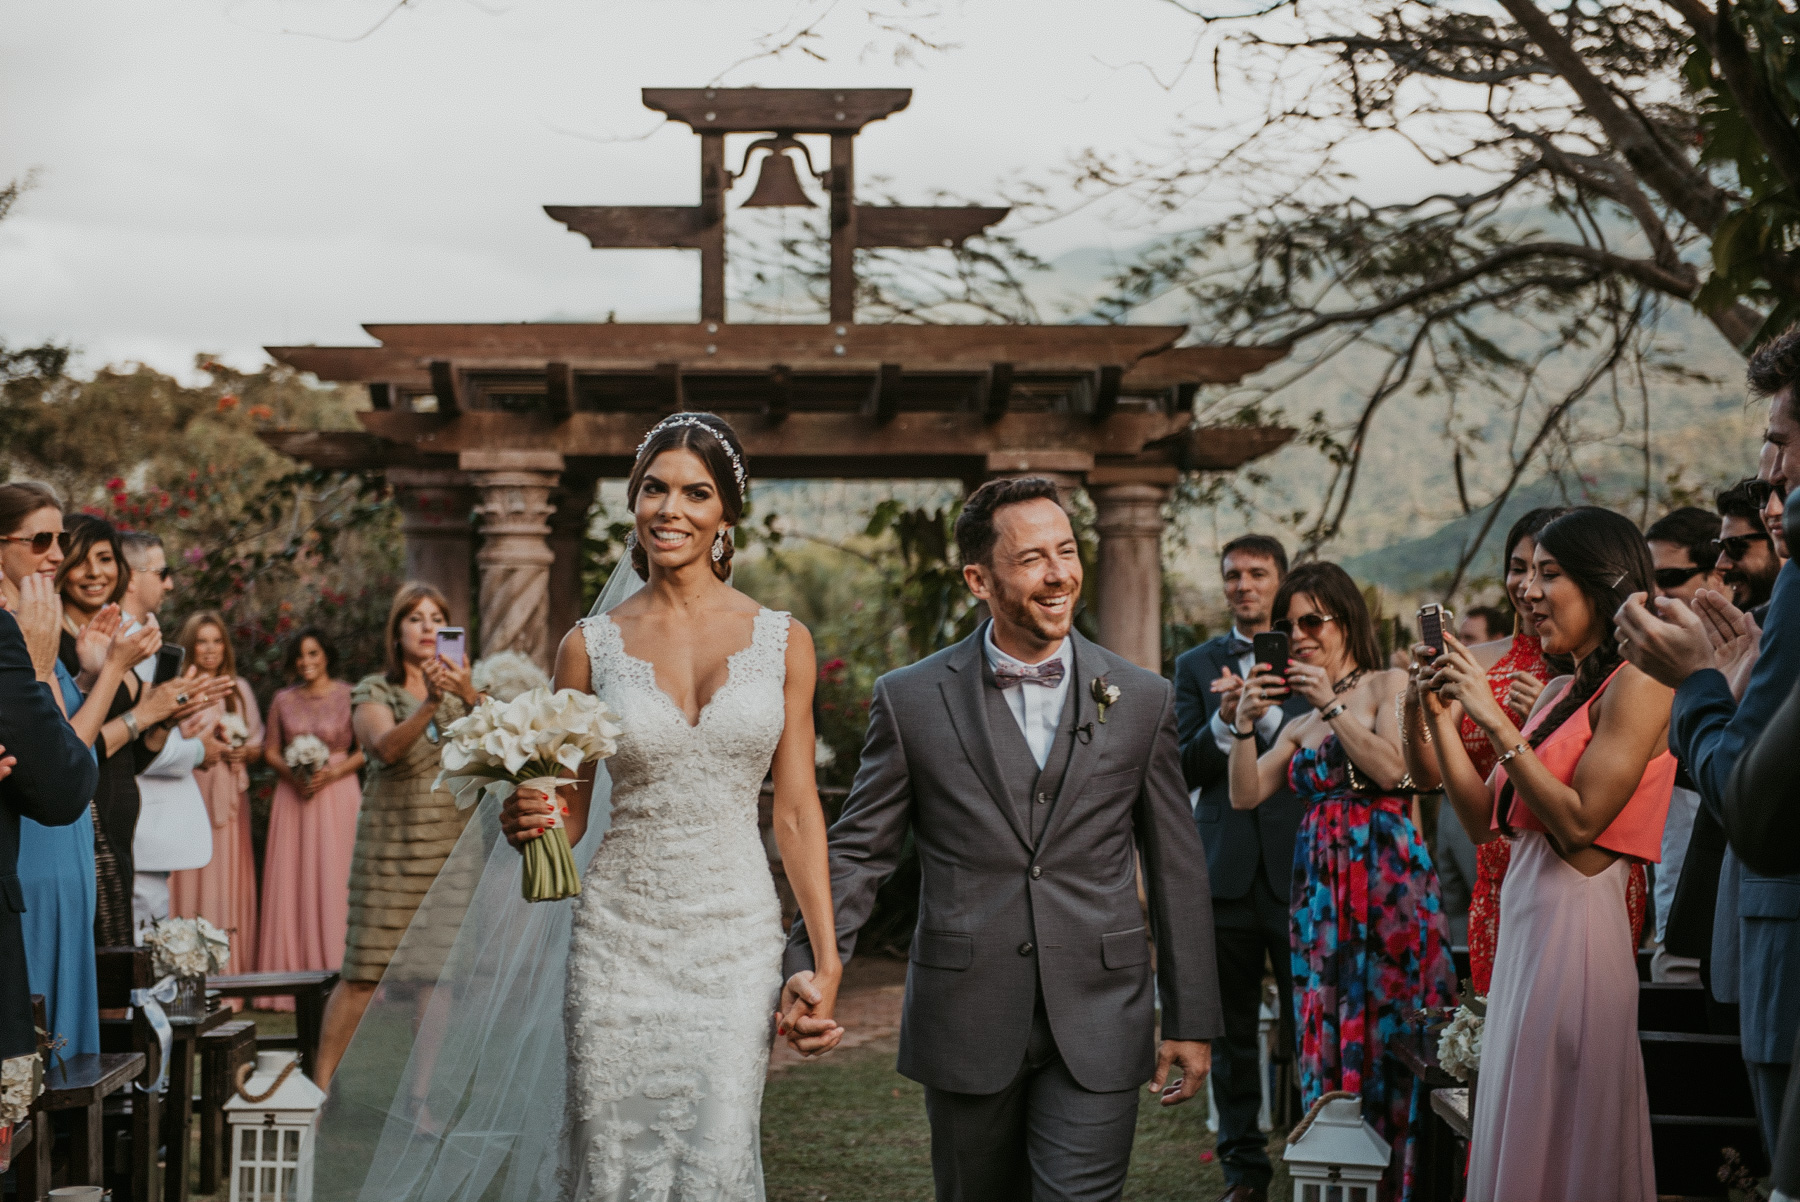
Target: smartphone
{"type": "Point", "coordinates": [453, 645]}
{"type": "Point", "coordinates": [1432, 620]}
{"type": "Point", "coordinates": [168, 663]}
{"type": "Point", "coordinates": [1271, 647]}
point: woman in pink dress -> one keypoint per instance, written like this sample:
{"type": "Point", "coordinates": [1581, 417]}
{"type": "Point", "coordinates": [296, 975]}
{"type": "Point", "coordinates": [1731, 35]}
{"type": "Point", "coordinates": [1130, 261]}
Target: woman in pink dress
{"type": "Point", "coordinates": [312, 824]}
{"type": "Point", "coordinates": [224, 891]}
{"type": "Point", "coordinates": [1562, 1111]}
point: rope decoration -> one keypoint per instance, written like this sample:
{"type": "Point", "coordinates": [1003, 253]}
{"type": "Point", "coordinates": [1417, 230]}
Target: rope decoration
{"type": "Point", "coordinates": [1312, 1112]}
{"type": "Point", "coordinates": [257, 1099]}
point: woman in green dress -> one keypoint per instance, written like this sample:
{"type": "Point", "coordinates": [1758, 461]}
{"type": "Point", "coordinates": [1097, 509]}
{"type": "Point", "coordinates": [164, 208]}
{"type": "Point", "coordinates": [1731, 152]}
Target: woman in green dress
{"type": "Point", "coordinates": [406, 829]}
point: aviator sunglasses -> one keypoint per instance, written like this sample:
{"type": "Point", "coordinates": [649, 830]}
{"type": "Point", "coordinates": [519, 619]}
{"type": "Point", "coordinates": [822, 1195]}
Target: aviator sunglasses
{"type": "Point", "coordinates": [40, 542]}
{"type": "Point", "coordinates": [1309, 624]}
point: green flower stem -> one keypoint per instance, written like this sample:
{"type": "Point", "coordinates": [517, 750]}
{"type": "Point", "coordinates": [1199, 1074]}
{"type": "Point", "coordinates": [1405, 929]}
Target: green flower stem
{"type": "Point", "coordinates": [549, 869]}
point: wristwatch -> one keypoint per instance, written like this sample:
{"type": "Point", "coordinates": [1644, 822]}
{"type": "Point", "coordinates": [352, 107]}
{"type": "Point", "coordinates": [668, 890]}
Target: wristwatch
{"type": "Point", "coordinates": [1334, 711]}
{"type": "Point", "coordinates": [1242, 734]}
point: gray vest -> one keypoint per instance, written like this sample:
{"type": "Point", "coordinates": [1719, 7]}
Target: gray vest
{"type": "Point", "coordinates": [1031, 791]}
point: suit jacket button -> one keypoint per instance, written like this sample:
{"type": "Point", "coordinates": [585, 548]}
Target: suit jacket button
{"type": "Point", "coordinates": [1036, 872]}
{"type": "Point", "coordinates": [1025, 948]}
{"type": "Point", "coordinates": [1043, 799]}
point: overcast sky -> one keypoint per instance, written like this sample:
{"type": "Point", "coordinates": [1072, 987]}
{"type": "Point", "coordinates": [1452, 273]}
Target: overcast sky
{"type": "Point", "coordinates": [218, 176]}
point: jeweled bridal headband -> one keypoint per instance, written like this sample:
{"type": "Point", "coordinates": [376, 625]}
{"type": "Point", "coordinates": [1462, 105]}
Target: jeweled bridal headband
{"type": "Point", "coordinates": [688, 419]}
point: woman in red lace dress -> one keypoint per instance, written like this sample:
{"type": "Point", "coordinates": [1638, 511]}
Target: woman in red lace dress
{"type": "Point", "coordinates": [1516, 672]}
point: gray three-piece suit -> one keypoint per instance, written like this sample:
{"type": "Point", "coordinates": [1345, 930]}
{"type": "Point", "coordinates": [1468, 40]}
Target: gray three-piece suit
{"type": "Point", "coordinates": [1029, 1012]}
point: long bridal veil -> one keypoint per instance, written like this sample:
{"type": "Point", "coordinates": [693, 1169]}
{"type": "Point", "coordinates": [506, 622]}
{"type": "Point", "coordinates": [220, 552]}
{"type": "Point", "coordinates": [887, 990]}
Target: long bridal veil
{"type": "Point", "coordinates": [452, 1089]}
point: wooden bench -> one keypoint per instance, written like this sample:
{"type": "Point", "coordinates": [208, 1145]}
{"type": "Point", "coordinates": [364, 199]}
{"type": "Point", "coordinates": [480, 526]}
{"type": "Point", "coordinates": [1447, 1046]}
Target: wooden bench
{"type": "Point", "coordinates": [309, 991]}
{"type": "Point", "coordinates": [80, 1085]}
{"type": "Point", "coordinates": [1700, 1104]}
{"type": "Point", "coordinates": [139, 1109]}
{"type": "Point", "coordinates": [221, 1052]}
{"type": "Point", "coordinates": [1440, 1150]}
{"type": "Point", "coordinates": [32, 1141]}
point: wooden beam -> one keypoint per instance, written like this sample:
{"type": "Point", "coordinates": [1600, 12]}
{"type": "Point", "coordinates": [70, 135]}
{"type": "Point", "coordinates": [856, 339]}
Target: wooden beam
{"type": "Point", "coordinates": [589, 345]}
{"type": "Point", "coordinates": [781, 394]}
{"type": "Point", "coordinates": [845, 228]}
{"type": "Point", "coordinates": [883, 404]}
{"type": "Point", "coordinates": [770, 110]}
{"type": "Point", "coordinates": [916, 227]}
{"type": "Point", "coordinates": [355, 364]}
{"type": "Point", "coordinates": [1106, 391]}
{"type": "Point", "coordinates": [1223, 448]}
{"type": "Point", "coordinates": [447, 387]}
{"type": "Point", "coordinates": [1199, 365]}
{"type": "Point", "coordinates": [648, 226]}
{"type": "Point", "coordinates": [668, 387]}
{"type": "Point", "coordinates": [559, 390]}
{"type": "Point", "coordinates": [711, 240]}
{"type": "Point", "coordinates": [381, 395]}
{"type": "Point", "coordinates": [999, 392]}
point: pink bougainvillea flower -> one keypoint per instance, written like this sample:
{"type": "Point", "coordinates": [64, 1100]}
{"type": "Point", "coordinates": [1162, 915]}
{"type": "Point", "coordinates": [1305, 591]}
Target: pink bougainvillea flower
{"type": "Point", "coordinates": [192, 554]}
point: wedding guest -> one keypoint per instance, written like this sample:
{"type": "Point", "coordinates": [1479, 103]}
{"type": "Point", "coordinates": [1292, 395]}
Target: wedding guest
{"type": "Point", "coordinates": [1483, 624]}
{"type": "Point", "coordinates": [1729, 683]}
{"type": "Point", "coordinates": [172, 829]}
{"type": "Point", "coordinates": [312, 822]}
{"type": "Point", "coordinates": [1748, 557]}
{"type": "Point", "coordinates": [1684, 546]}
{"type": "Point", "coordinates": [1516, 673]}
{"type": "Point", "coordinates": [92, 579]}
{"type": "Point", "coordinates": [407, 830]}
{"type": "Point", "coordinates": [1369, 943]}
{"type": "Point", "coordinates": [224, 891]}
{"type": "Point", "coordinates": [1249, 854]}
{"type": "Point", "coordinates": [1583, 789]}
{"type": "Point", "coordinates": [46, 773]}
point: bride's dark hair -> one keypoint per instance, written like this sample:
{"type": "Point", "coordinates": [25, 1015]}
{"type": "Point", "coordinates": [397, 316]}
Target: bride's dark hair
{"type": "Point", "coordinates": [716, 443]}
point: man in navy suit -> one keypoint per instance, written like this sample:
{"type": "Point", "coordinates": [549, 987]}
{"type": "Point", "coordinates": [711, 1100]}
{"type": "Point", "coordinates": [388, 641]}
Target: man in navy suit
{"type": "Point", "coordinates": [50, 779]}
{"type": "Point", "coordinates": [1249, 854]}
{"type": "Point", "coordinates": [1729, 680]}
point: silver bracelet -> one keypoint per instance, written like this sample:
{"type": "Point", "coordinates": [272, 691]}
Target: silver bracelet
{"type": "Point", "coordinates": [131, 726]}
{"type": "Point", "coordinates": [1334, 711]}
{"type": "Point", "coordinates": [1509, 755]}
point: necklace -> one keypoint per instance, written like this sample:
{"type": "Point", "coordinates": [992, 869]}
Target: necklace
{"type": "Point", "coordinates": [1345, 685]}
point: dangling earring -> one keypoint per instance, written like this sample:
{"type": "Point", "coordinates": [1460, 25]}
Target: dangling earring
{"type": "Point", "coordinates": [631, 542]}
{"type": "Point", "coordinates": [719, 544]}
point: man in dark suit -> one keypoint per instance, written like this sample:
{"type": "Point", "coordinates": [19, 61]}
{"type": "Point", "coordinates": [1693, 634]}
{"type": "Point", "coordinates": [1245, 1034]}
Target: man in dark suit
{"type": "Point", "coordinates": [1036, 771]}
{"type": "Point", "coordinates": [51, 780]}
{"type": "Point", "coordinates": [1729, 680]}
{"type": "Point", "coordinates": [1249, 855]}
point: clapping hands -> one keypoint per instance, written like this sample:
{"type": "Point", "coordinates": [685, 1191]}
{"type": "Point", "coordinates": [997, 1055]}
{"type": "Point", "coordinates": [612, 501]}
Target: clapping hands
{"type": "Point", "coordinates": [805, 1018]}
{"type": "Point", "coordinates": [1670, 642]}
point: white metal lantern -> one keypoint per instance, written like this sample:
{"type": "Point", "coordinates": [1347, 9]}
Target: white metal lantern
{"type": "Point", "coordinates": [1338, 1158]}
{"type": "Point", "coordinates": [272, 1137]}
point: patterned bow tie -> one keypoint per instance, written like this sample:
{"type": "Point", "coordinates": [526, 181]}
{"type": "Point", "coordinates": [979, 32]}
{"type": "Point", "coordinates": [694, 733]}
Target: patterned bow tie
{"type": "Point", "coordinates": [1049, 674]}
{"type": "Point", "coordinates": [1236, 646]}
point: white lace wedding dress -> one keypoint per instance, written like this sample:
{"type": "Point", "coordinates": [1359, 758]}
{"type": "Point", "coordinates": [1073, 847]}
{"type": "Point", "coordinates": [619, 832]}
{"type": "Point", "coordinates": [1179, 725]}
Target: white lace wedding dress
{"type": "Point", "coordinates": [675, 958]}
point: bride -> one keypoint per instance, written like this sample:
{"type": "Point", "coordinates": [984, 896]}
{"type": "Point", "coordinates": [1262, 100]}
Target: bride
{"type": "Point", "coordinates": [673, 948]}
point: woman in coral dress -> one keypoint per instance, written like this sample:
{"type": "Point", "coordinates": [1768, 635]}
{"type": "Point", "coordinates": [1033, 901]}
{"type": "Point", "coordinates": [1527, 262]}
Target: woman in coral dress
{"type": "Point", "coordinates": [224, 891]}
{"type": "Point", "coordinates": [312, 824]}
{"type": "Point", "coordinates": [1562, 1113]}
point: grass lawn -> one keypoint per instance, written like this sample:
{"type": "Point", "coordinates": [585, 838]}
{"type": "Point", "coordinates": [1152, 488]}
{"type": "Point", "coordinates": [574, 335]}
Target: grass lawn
{"type": "Point", "coordinates": [850, 1129]}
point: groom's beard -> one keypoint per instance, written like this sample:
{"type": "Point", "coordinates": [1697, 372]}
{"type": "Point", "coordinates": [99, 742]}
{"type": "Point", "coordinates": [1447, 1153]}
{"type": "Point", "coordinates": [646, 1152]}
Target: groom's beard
{"type": "Point", "coordinates": [1020, 612]}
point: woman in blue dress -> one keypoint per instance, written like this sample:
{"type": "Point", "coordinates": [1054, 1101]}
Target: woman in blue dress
{"type": "Point", "coordinates": [56, 863]}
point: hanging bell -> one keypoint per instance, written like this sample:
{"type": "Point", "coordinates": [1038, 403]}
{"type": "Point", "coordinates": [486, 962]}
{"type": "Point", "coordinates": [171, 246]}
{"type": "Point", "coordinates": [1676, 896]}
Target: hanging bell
{"type": "Point", "coordinates": [778, 184]}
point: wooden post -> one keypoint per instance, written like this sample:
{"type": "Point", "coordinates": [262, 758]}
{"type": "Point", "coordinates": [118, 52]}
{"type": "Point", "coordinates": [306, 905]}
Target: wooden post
{"type": "Point", "coordinates": [515, 554]}
{"type": "Point", "coordinates": [843, 228]}
{"type": "Point", "coordinates": [711, 238]}
{"type": "Point", "coordinates": [437, 523]}
{"type": "Point", "coordinates": [568, 526]}
{"type": "Point", "coordinates": [1130, 523]}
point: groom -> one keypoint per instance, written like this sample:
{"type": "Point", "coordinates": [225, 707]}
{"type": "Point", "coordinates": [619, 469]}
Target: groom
{"type": "Point", "coordinates": [1036, 772]}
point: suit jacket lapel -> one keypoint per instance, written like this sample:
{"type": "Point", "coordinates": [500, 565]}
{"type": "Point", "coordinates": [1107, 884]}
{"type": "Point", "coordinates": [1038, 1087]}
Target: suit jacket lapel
{"type": "Point", "coordinates": [1086, 751]}
{"type": "Point", "coordinates": [968, 717]}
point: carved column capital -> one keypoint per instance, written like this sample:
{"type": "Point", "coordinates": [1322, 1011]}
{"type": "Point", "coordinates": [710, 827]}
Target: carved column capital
{"type": "Point", "coordinates": [437, 529]}
{"type": "Point", "coordinates": [515, 557]}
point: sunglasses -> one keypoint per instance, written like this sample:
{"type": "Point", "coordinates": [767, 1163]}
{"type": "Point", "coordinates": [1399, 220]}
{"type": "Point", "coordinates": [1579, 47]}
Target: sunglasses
{"type": "Point", "coordinates": [40, 542]}
{"type": "Point", "coordinates": [1738, 545]}
{"type": "Point", "coordinates": [1675, 577]}
{"type": "Point", "coordinates": [1760, 491]}
{"type": "Point", "coordinates": [1308, 624]}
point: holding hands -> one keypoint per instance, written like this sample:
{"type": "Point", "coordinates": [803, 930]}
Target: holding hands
{"type": "Point", "coordinates": [807, 1002]}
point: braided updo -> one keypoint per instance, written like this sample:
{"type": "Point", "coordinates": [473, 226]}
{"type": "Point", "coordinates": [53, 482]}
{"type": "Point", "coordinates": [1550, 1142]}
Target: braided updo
{"type": "Point", "coordinates": [708, 436]}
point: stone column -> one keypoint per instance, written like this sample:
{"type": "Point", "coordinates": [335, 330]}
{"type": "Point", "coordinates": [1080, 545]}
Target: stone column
{"type": "Point", "coordinates": [437, 523]}
{"type": "Point", "coordinates": [515, 555]}
{"type": "Point", "coordinates": [568, 526]}
{"type": "Point", "coordinates": [1130, 524]}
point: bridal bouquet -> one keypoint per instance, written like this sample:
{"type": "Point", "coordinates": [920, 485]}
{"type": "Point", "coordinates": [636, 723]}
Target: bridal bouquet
{"type": "Point", "coordinates": [237, 731]}
{"type": "Point", "coordinates": [187, 947]}
{"type": "Point", "coordinates": [306, 755]}
{"type": "Point", "coordinates": [1459, 1046]}
{"type": "Point", "coordinates": [538, 740]}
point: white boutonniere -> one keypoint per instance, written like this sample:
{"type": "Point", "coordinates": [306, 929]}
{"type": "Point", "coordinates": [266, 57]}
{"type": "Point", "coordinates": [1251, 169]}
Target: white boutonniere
{"type": "Point", "coordinates": [1105, 693]}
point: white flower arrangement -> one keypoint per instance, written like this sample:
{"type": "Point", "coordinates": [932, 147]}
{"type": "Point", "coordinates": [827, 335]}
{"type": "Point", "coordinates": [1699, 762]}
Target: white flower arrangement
{"type": "Point", "coordinates": [188, 947]}
{"type": "Point", "coordinates": [1459, 1045]}
{"type": "Point", "coordinates": [21, 1081]}
{"type": "Point", "coordinates": [824, 755]}
{"type": "Point", "coordinates": [235, 730]}
{"type": "Point", "coordinates": [306, 754]}
{"type": "Point", "coordinates": [506, 674]}
{"type": "Point", "coordinates": [538, 740]}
